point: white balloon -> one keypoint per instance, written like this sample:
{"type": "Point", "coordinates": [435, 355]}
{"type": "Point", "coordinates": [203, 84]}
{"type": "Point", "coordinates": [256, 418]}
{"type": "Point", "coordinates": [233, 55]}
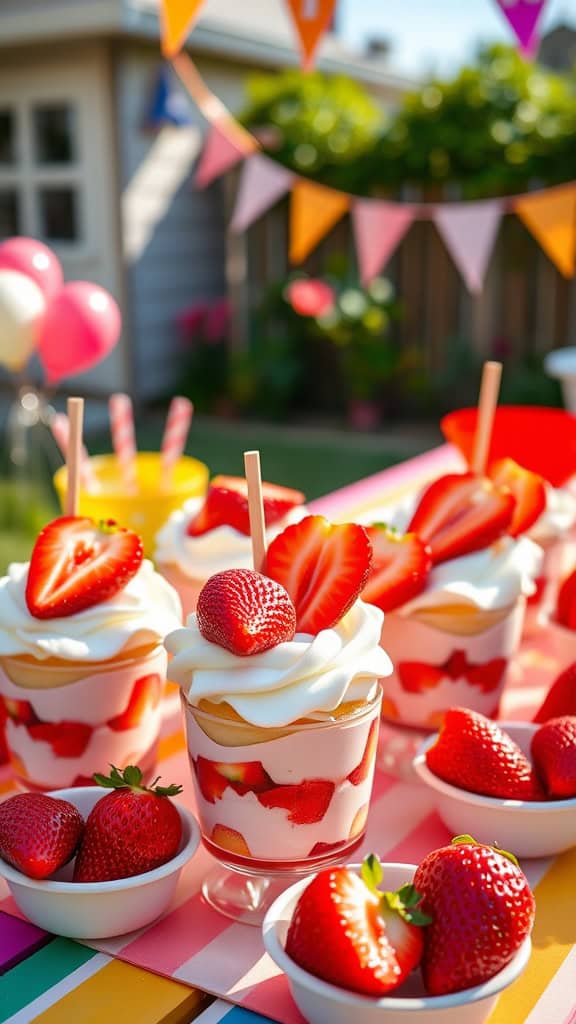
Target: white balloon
{"type": "Point", "coordinates": [22, 309]}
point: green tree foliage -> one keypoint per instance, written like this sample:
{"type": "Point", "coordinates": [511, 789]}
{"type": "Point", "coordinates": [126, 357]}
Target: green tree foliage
{"type": "Point", "coordinates": [319, 126]}
{"type": "Point", "coordinates": [496, 127]}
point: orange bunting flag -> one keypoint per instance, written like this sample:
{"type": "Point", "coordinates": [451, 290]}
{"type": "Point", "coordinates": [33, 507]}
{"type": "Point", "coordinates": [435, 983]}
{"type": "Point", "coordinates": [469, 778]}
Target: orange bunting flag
{"type": "Point", "coordinates": [313, 211]}
{"type": "Point", "coordinates": [177, 18]}
{"type": "Point", "coordinates": [312, 18]}
{"type": "Point", "coordinates": [551, 217]}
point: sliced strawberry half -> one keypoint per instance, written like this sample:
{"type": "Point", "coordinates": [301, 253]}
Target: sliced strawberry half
{"type": "Point", "coordinates": [400, 567]}
{"type": "Point", "coordinates": [566, 602]}
{"type": "Point", "coordinates": [226, 504]}
{"type": "Point", "coordinates": [348, 932]}
{"type": "Point", "coordinates": [561, 697]}
{"type": "Point", "coordinates": [527, 487]}
{"type": "Point", "coordinates": [323, 567]}
{"type": "Point", "coordinates": [76, 564]}
{"type": "Point", "coordinates": [461, 513]}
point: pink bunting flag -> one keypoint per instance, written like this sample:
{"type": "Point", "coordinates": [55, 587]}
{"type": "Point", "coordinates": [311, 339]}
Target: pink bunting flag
{"type": "Point", "coordinates": [379, 227]}
{"type": "Point", "coordinates": [524, 17]}
{"type": "Point", "coordinates": [220, 154]}
{"type": "Point", "coordinates": [262, 184]}
{"type": "Point", "coordinates": [469, 231]}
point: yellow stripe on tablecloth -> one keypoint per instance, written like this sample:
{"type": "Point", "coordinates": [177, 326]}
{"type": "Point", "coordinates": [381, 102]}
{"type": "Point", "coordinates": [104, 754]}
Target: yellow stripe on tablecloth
{"type": "Point", "coordinates": [121, 992]}
{"type": "Point", "coordinates": [553, 937]}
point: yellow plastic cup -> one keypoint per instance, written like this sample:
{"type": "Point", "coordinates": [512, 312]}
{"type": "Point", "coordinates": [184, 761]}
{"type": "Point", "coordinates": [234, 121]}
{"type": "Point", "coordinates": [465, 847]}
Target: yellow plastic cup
{"type": "Point", "coordinates": [147, 511]}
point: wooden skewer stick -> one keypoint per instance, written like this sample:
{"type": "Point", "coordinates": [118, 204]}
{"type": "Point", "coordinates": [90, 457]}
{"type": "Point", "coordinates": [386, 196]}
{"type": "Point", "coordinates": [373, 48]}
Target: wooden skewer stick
{"type": "Point", "coordinates": [487, 402]}
{"type": "Point", "coordinates": [255, 508]}
{"type": "Point", "coordinates": [74, 454]}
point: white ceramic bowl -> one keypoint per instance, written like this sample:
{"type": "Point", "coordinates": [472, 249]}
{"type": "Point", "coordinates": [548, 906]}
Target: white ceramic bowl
{"type": "Point", "coordinates": [526, 828]}
{"type": "Point", "coordinates": [96, 910]}
{"type": "Point", "coordinates": [322, 1003]}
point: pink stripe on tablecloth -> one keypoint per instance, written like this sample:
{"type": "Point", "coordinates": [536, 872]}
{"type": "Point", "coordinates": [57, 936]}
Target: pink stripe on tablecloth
{"type": "Point", "coordinates": [272, 996]}
{"type": "Point", "coordinates": [177, 938]}
{"type": "Point", "coordinates": [428, 835]}
{"type": "Point", "coordinates": [376, 486]}
{"type": "Point", "coordinates": [571, 1018]}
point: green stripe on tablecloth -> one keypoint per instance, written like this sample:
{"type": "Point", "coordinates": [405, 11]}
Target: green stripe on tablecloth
{"type": "Point", "coordinates": [40, 972]}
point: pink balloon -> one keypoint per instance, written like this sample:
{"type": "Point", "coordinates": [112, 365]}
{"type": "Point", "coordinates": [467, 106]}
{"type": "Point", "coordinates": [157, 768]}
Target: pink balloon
{"type": "Point", "coordinates": [34, 259]}
{"type": "Point", "coordinates": [82, 325]}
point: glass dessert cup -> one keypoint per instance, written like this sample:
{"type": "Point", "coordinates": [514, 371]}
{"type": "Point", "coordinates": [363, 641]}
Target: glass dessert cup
{"type": "Point", "coordinates": [447, 657]}
{"type": "Point", "coordinates": [66, 720]}
{"type": "Point", "coordinates": [187, 587]}
{"type": "Point", "coordinates": [559, 560]}
{"type": "Point", "coordinates": [148, 509]}
{"type": "Point", "coordinates": [275, 804]}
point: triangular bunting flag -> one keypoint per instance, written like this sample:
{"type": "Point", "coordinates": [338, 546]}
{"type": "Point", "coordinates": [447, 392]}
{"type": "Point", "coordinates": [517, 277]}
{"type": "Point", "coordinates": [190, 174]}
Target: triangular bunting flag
{"type": "Point", "coordinates": [524, 17]}
{"type": "Point", "coordinates": [262, 184]}
{"type": "Point", "coordinates": [469, 231]}
{"type": "Point", "coordinates": [168, 104]}
{"type": "Point", "coordinates": [177, 18]}
{"type": "Point", "coordinates": [312, 18]}
{"type": "Point", "coordinates": [551, 217]}
{"type": "Point", "coordinates": [220, 154]}
{"type": "Point", "coordinates": [379, 227]}
{"type": "Point", "coordinates": [313, 211]}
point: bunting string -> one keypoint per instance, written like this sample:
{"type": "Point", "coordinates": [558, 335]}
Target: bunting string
{"type": "Point", "coordinates": [312, 19]}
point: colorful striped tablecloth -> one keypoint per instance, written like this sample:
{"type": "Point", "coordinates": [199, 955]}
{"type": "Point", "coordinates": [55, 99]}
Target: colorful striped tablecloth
{"type": "Point", "coordinates": [157, 975]}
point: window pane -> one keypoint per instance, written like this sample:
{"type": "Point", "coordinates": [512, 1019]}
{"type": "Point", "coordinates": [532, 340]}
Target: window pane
{"type": "Point", "coordinates": [58, 209]}
{"type": "Point", "coordinates": [54, 133]}
{"type": "Point", "coordinates": [9, 213]}
{"type": "Point", "coordinates": [7, 137]}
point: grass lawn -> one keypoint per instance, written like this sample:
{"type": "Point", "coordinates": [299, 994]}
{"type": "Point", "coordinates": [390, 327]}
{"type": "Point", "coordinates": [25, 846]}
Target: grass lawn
{"type": "Point", "coordinates": [315, 461]}
{"type": "Point", "coordinates": [312, 460]}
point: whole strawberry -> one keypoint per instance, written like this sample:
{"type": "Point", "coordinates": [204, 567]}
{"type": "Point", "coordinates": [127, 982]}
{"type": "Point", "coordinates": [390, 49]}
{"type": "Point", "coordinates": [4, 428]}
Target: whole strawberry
{"type": "Point", "coordinates": [245, 612]}
{"type": "Point", "coordinates": [553, 750]}
{"type": "Point", "coordinates": [348, 932]}
{"type": "Point", "coordinates": [130, 831]}
{"type": "Point", "coordinates": [482, 909]}
{"type": "Point", "coordinates": [38, 833]}
{"type": "Point", "coordinates": [473, 753]}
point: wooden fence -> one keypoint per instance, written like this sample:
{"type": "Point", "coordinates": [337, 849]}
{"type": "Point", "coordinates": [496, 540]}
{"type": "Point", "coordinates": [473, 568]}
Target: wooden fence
{"type": "Point", "coordinates": [526, 308]}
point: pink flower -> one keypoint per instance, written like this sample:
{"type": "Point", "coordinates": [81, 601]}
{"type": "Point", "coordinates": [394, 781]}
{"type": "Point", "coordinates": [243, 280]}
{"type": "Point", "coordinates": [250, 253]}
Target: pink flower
{"type": "Point", "coordinates": [310, 297]}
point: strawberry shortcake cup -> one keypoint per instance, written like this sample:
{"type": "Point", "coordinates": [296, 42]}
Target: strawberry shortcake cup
{"type": "Point", "coordinates": [454, 590]}
{"type": "Point", "coordinates": [212, 534]}
{"type": "Point", "coordinates": [554, 532]}
{"type": "Point", "coordinates": [82, 666]}
{"type": "Point", "coordinates": [282, 737]}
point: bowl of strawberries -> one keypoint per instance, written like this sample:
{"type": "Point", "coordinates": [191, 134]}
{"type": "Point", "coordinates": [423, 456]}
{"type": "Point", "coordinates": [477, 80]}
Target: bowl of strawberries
{"type": "Point", "coordinates": [89, 864]}
{"type": "Point", "coordinates": [513, 783]}
{"type": "Point", "coordinates": [399, 943]}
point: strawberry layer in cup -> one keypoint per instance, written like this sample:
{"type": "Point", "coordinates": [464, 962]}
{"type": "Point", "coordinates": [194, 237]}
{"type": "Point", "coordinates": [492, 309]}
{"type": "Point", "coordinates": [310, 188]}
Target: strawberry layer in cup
{"type": "Point", "coordinates": [437, 667]}
{"type": "Point", "coordinates": [286, 798]}
{"type": "Point", "coordinates": [65, 721]}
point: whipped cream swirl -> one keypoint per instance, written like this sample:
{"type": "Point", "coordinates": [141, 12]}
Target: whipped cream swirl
{"type": "Point", "coordinates": [215, 551]}
{"type": "Point", "coordinates": [306, 677]}
{"type": "Point", "coordinates": [139, 615]}
{"type": "Point", "coordinates": [490, 579]}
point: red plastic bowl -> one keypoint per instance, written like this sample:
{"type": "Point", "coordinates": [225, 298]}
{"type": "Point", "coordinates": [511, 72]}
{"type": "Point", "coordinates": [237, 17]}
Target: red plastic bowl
{"type": "Point", "coordinates": [537, 437]}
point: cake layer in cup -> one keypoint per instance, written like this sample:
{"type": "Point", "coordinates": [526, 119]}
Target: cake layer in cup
{"type": "Point", "coordinates": [88, 700]}
{"type": "Point", "coordinates": [329, 762]}
{"type": "Point", "coordinates": [437, 667]}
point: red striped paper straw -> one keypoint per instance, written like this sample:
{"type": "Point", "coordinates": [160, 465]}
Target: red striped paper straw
{"type": "Point", "coordinates": [60, 427]}
{"type": "Point", "coordinates": [175, 435]}
{"type": "Point", "coordinates": [123, 438]}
